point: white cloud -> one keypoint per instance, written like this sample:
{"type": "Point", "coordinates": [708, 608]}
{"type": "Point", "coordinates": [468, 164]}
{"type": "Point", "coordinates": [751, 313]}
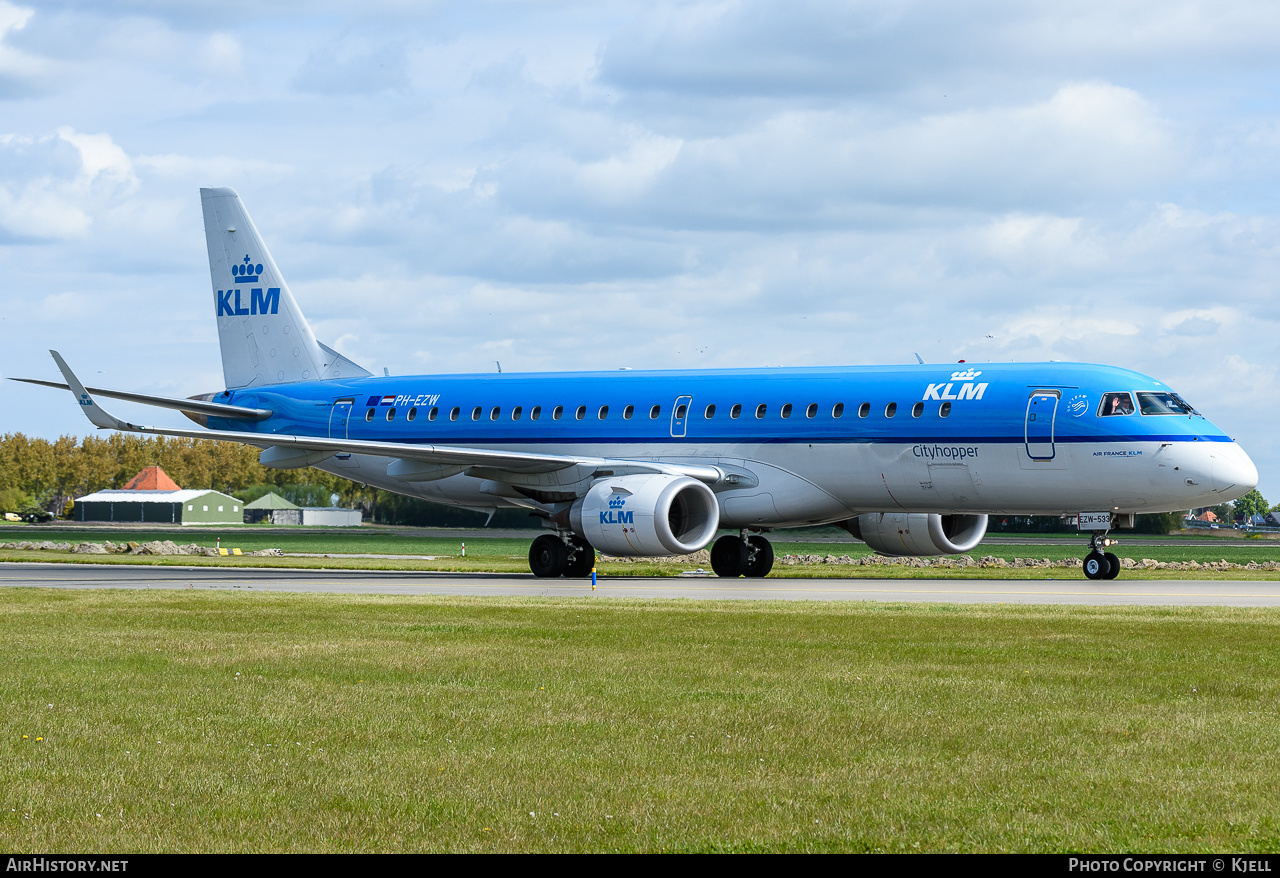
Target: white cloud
{"type": "Point", "coordinates": [51, 197]}
{"type": "Point", "coordinates": [21, 73]}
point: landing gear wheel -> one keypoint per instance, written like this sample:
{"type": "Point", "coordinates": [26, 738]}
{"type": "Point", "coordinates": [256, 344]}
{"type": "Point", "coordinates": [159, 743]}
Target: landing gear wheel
{"type": "Point", "coordinates": [584, 558]}
{"type": "Point", "coordinates": [729, 557]}
{"type": "Point", "coordinates": [548, 557]}
{"type": "Point", "coordinates": [759, 556]}
{"type": "Point", "coordinates": [1098, 566]}
{"type": "Point", "coordinates": [1115, 565]}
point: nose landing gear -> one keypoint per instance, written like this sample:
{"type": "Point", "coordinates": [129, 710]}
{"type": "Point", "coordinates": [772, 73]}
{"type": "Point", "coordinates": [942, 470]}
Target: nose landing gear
{"type": "Point", "coordinates": [1099, 564]}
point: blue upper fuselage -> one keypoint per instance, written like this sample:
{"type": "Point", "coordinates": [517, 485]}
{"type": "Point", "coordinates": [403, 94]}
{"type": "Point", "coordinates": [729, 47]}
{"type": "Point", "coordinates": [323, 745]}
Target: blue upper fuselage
{"type": "Point", "coordinates": [971, 403]}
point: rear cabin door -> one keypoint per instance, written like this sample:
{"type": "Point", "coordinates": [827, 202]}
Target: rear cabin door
{"type": "Point", "coordinates": [340, 422]}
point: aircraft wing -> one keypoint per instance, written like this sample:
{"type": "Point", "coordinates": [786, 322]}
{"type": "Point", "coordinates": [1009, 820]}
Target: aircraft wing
{"type": "Point", "coordinates": [443, 455]}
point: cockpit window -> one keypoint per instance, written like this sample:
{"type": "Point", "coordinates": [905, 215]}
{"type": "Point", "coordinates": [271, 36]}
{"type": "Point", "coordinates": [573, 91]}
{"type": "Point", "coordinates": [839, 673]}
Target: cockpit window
{"type": "Point", "coordinates": [1115, 404]}
{"type": "Point", "coordinates": [1164, 404]}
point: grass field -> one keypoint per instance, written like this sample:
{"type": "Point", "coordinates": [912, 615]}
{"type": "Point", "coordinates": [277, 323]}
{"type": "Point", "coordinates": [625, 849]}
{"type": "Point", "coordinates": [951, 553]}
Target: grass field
{"type": "Point", "coordinates": [509, 554]}
{"type": "Point", "coordinates": [198, 721]}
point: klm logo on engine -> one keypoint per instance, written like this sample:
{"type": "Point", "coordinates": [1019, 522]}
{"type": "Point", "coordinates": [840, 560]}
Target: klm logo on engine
{"type": "Point", "coordinates": [969, 388]}
{"type": "Point", "coordinates": [231, 303]}
{"type": "Point", "coordinates": [616, 514]}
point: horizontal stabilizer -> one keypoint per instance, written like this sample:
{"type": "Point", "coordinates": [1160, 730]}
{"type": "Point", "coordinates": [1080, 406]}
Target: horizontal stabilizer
{"type": "Point", "coordinates": [186, 406]}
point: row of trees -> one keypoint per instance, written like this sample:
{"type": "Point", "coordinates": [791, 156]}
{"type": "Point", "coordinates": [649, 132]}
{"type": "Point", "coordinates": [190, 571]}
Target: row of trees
{"type": "Point", "coordinates": [36, 474]}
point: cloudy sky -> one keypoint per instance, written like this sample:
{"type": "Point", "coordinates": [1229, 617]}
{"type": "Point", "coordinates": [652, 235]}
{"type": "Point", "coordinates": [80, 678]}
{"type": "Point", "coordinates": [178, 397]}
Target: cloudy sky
{"type": "Point", "coordinates": [687, 184]}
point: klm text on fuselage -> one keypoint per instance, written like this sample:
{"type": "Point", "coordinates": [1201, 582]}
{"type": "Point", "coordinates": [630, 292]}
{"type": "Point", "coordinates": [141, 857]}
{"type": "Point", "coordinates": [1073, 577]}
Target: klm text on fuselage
{"type": "Point", "coordinates": [230, 304]}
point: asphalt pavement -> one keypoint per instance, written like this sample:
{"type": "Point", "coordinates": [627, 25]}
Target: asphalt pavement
{"type": "Point", "coordinates": [1039, 589]}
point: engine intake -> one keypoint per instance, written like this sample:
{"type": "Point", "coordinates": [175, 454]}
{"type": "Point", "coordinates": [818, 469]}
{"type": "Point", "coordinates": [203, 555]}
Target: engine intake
{"type": "Point", "coordinates": [918, 534]}
{"type": "Point", "coordinates": [647, 515]}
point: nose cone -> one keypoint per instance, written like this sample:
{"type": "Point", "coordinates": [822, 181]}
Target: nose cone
{"type": "Point", "coordinates": [1233, 473]}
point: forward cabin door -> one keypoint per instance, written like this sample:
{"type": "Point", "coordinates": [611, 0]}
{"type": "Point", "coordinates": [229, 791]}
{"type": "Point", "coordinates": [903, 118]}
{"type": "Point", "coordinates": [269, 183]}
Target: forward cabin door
{"type": "Point", "coordinates": [1042, 413]}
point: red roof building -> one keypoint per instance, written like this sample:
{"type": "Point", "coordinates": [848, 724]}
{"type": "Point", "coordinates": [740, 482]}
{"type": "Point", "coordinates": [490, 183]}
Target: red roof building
{"type": "Point", "coordinates": [151, 479]}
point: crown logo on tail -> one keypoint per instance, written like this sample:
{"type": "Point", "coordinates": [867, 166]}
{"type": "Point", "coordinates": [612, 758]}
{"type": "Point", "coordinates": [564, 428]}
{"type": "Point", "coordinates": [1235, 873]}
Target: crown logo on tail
{"type": "Point", "coordinates": [246, 272]}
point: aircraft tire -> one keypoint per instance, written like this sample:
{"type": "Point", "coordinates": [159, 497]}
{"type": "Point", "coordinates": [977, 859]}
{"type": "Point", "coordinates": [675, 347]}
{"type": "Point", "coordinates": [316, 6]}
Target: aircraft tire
{"type": "Point", "coordinates": [729, 557]}
{"type": "Point", "coordinates": [1096, 565]}
{"type": "Point", "coordinates": [584, 558]}
{"type": "Point", "coordinates": [760, 554]}
{"type": "Point", "coordinates": [548, 557]}
{"type": "Point", "coordinates": [1114, 569]}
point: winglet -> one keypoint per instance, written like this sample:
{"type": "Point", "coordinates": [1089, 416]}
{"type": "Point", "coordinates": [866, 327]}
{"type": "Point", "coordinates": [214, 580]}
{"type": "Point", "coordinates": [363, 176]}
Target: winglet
{"type": "Point", "coordinates": [92, 410]}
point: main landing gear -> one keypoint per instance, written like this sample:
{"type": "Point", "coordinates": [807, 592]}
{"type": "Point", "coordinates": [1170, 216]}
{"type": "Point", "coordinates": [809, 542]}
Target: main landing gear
{"type": "Point", "coordinates": [742, 556]}
{"type": "Point", "coordinates": [1099, 564]}
{"type": "Point", "coordinates": [553, 555]}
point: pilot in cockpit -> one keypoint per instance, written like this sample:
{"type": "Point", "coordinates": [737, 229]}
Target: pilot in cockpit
{"type": "Point", "coordinates": [1116, 404]}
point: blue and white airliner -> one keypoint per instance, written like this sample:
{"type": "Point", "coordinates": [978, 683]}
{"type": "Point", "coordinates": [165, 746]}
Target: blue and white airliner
{"type": "Point", "coordinates": [911, 460]}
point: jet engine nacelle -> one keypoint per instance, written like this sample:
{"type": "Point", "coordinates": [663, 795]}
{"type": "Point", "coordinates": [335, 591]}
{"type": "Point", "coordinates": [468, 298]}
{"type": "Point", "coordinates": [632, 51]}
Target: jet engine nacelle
{"type": "Point", "coordinates": [918, 534]}
{"type": "Point", "coordinates": [647, 515]}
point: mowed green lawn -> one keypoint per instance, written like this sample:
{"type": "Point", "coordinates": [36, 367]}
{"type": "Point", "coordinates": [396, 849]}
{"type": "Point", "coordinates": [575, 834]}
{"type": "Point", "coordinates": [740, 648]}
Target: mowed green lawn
{"type": "Point", "coordinates": [203, 721]}
{"type": "Point", "coordinates": [508, 553]}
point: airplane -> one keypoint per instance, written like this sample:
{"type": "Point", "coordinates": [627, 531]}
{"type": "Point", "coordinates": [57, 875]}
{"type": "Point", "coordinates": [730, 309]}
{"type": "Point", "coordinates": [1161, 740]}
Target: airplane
{"type": "Point", "coordinates": [910, 460]}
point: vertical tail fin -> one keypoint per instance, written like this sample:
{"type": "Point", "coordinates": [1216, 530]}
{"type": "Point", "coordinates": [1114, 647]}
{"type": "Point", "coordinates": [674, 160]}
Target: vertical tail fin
{"type": "Point", "coordinates": [264, 336]}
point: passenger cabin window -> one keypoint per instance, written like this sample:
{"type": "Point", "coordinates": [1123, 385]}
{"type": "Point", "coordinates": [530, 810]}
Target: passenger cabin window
{"type": "Point", "coordinates": [535, 413]}
{"type": "Point", "coordinates": [495, 412]}
{"type": "Point", "coordinates": [761, 409]}
{"type": "Point", "coordinates": [581, 412]}
{"type": "Point", "coordinates": [413, 413]}
{"type": "Point", "coordinates": [368, 416]}
{"type": "Point", "coordinates": [557, 412]}
{"type": "Point", "coordinates": [476, 413]}
{"type": "Point", "coordinates": [786, 410]}
{"type": "Point", "coordinates": [917, 410]}
{"type": "Point", "coordinates": [604, 412]}
{"type": "Point", "coordinates": [890, 410]}
{"type": "Point", "coordinates": [680, 411]}
{"type": "Point", "coordinates": [391, 413]}
{"type": "Point", "coordinates": [628, 412]}
{"type": "Point", "coordinates": [1164, 404]}
{"type": "Point", "coordinates": [944, 409]}
{"type": "Point", "coordinates": [864, 409]}
{"type": "Point", "coordinates": [516, 413]}
{"type": "Point", "coordinates": [837, 410]}
{"type": "Point", "coordinates": [1115, 404]}
{"type": "Point", "coordinates": [454, 412]}
{"type": "Point", "coordinates": [655, 411]}
{"type": "Point", "coordinates": [710, 412]}
{"type": "Point", "coordinates": [812, 410]}
{"type": "Point", "coordinates": [433, 414]}
{"type": "Point", "coordinates": [735, 411]}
